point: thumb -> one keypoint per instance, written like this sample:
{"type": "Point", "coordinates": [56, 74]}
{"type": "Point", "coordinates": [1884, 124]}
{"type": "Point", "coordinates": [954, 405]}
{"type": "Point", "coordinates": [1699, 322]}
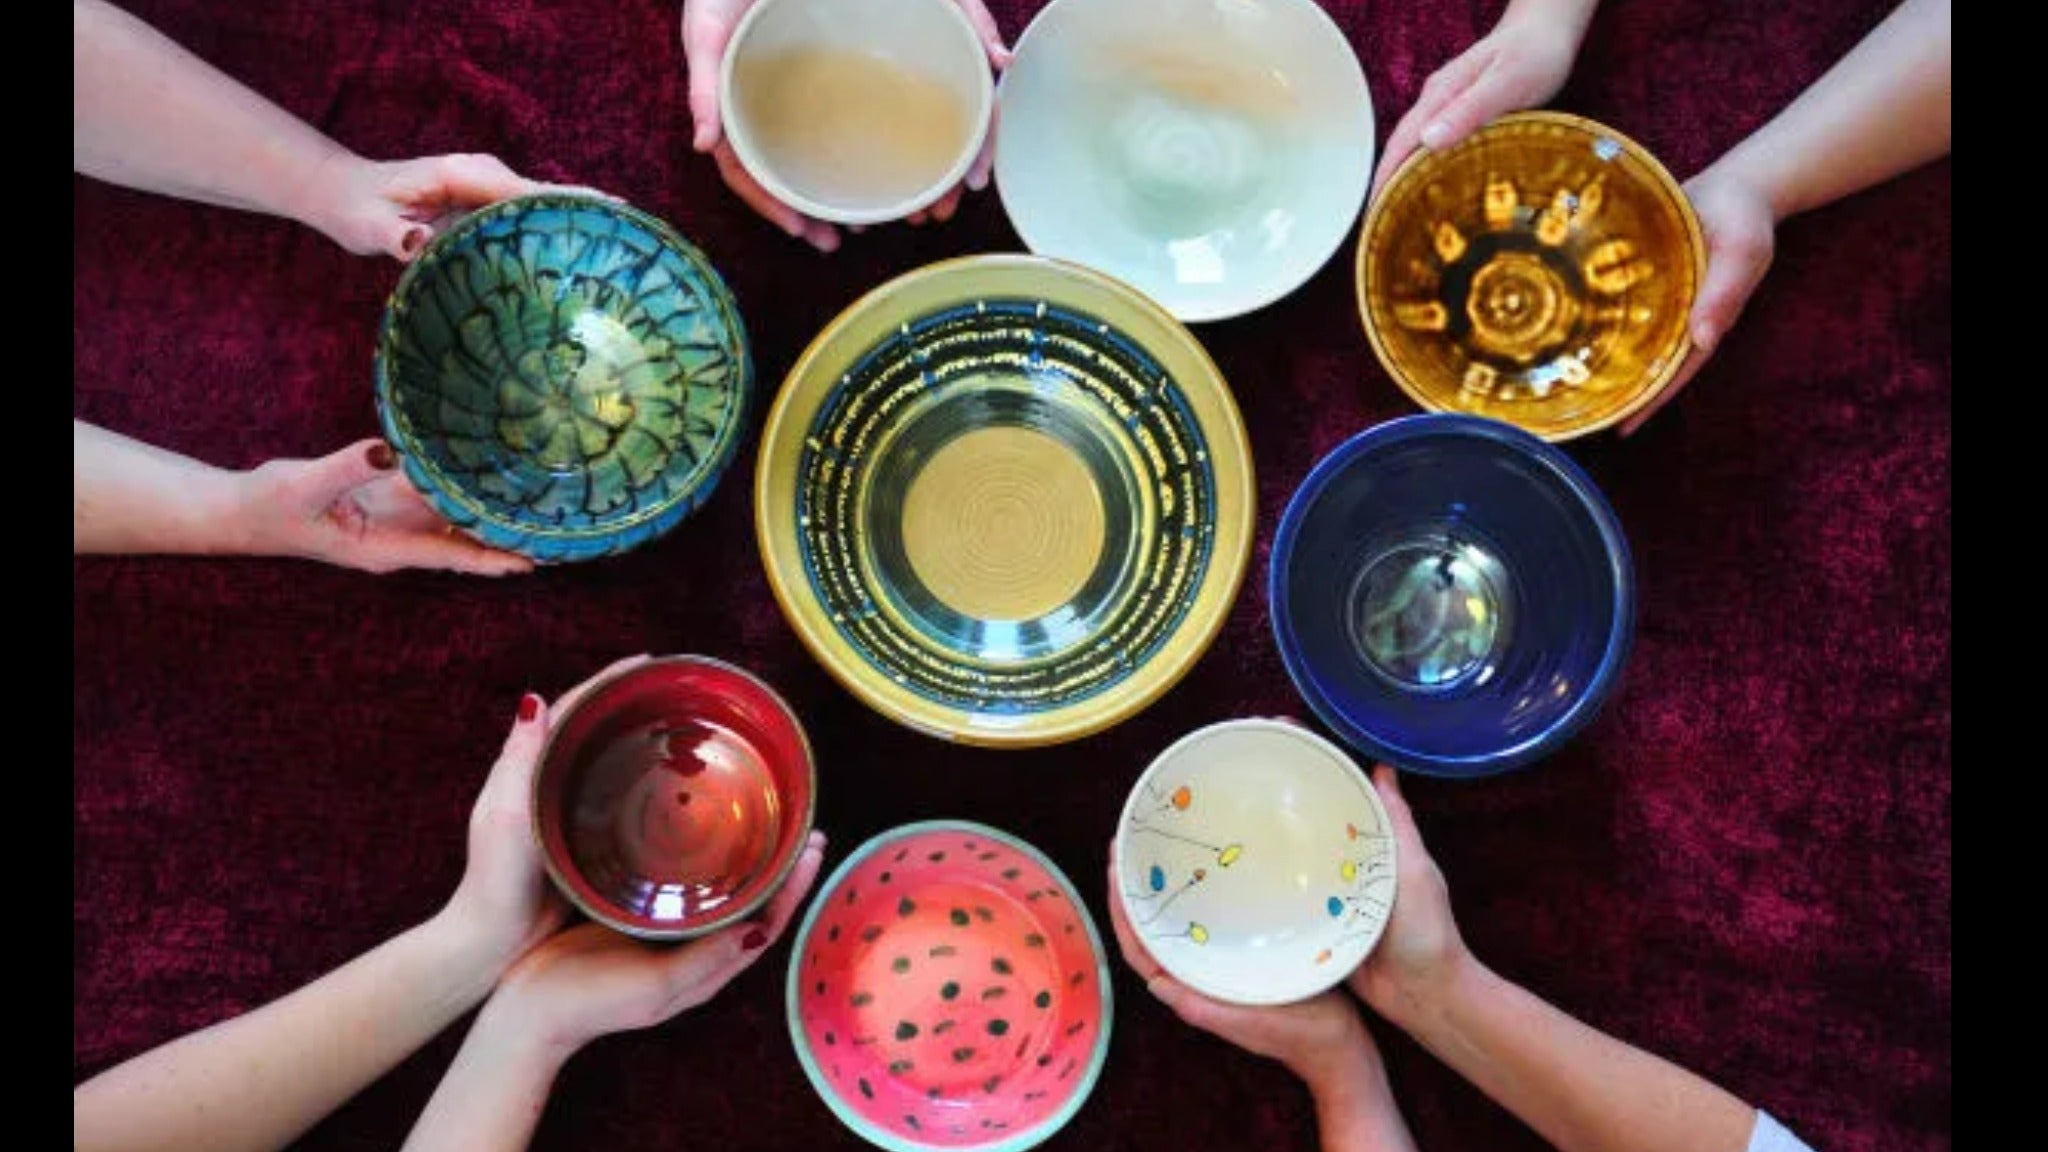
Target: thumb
{"type": "Point", "coordinates": [471, 179]}
{"type": "Point", "coordinates": [703, 55]}
{"type": "Point", "coordinates": [513, 772]}
{"type": "Point", "coordinates": [1725, 290]}
{"type": "Point", "coordinates": [1387, 782]}
{"type": "Point", "coordinates": [1468, 111]}
{"type": "Point", "coordinates": [1189, 1005]}
{"type": "Point", "coordinates": [330, 477]}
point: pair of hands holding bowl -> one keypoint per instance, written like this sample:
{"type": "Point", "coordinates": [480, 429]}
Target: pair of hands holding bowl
{"type": "Point", "coordinates": [564, 987]}
{"type": "Point", "coordinates": [707, 30]}
{"type": "Point", "coordinates": [1323, 1040]}
{"type": "Point", "coordinates": [1522, 63]}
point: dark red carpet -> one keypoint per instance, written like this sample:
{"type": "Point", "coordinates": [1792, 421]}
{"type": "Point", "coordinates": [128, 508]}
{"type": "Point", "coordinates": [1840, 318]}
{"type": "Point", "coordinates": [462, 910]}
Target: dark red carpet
{"type": "Point", "coordinates": [1743, 864]}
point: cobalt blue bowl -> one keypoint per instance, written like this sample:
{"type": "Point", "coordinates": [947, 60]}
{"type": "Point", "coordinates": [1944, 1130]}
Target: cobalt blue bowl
{"type": "Point", "coordinates": [563, 376]}
{"type": "Point", "coordinates": [1451, 594]}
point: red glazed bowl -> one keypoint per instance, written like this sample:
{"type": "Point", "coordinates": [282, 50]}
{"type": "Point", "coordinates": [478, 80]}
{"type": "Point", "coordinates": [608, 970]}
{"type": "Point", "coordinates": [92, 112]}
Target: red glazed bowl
{"type": "Point", "coordinates": [948, 990]}
{"type": "Point", "coordinates": [674, 797]}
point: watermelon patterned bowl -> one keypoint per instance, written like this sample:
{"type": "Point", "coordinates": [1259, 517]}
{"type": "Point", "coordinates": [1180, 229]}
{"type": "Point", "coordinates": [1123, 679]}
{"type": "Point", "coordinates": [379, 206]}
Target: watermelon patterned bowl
{"type": "Point", "coordinates": [948, 989]}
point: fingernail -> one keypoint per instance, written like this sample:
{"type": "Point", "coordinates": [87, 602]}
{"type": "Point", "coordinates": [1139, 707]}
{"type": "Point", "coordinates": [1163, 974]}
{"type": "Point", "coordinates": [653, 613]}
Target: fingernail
{"type": "Point", "coordinates": [1436, 135]}
{"type": "Point", "coordinates": [755, 938]}
{"type": "Point", "coordinates": [1704, 335]}
{"type": "Point", "coordinates": [415, 239]}
{"type": "Point", "coordinates": [529, 707]}
{"type": "Point", "coordinates": [381, 457]}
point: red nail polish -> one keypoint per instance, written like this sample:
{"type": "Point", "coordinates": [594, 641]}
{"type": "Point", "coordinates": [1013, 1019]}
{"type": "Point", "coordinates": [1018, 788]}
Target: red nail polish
{"type": "Point", "coordinates": [381, 457]}
{"type": "Point", "coordinates": [755, 938]}
{"type": "Point", "coordinates": [529, 707]}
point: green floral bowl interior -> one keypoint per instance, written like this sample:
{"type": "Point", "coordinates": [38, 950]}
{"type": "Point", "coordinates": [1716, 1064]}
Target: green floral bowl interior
{"type": "Point", "coordinates": [563, 376]}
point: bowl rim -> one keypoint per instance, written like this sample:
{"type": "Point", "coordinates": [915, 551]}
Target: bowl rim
{"type": "Point", "coordinates": [609, 915]}
{"type": "Point", "coordinates": [1229, 452]}
{"type": "Point", "coordinates": [1249, 302]}
{"type": "Point", "coordinates": [1329, 750]}
{"type": "Point", "coordinates": [793, 987]}
{"type": "Point", "coordinates": [1661, 179]}
{"type": "Point", "coordinates": [1620, 562]}
{"type": "Point", "coordinates": [757, 166]}
{"type": "Point", "coordinates": [450, 499]}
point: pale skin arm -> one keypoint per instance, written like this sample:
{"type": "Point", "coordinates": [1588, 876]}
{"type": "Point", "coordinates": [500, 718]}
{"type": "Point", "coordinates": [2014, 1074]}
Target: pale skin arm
{"type": "Point", "coordinates": [585, 982]}
{"type": "Point", "coordinates": [1881, 111]}
{"type": "Point", "coordinates": [1581, 1089]}
{"type": "Point", "coordinates": [351, 508]}
{"type": "Point", "coordinates": [1321, 1040]}
{"type": "Point", "coordinates": [148, 114]}
{"type": "Point", "coordinates": [258, 1081]}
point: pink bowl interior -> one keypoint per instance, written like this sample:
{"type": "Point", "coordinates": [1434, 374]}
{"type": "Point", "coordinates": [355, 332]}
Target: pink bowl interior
{"type": "Point", "coordinates": [948, 990]}
{"type": "Point", "coordinates": [674, 798]}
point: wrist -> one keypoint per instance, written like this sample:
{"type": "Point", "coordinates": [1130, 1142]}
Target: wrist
{"type": "Point", "coordinates": [1746, 172]}
{"type": "Point", "coordinates": [1566, 19]}
{"type": "Point", "coordinates": [1355, 1108]}
{"type": "Point", "coordinates": [1405, 996]}
{"type": "Point", "coordinates": [473, 946]}
{"type": "Point", "coordinates": [516, 1023]}
{"type": "Point", "coordinates": [319, 199]}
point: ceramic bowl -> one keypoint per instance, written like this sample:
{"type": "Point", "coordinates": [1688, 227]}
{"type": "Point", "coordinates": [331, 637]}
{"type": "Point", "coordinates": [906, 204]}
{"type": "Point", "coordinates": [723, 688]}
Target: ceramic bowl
{"type": "Point", "coordinates": [1540, 271]}
{"type": "Point", "coordinates": [948, 989]}
{"type": "Point", "coordinates": [1213, 156]}
{"type": "Point", "coordinates": [1451, 594]}
{"type": "Point", "coordinates": [856, 111]}
{"type": "Point", "coordinates": [673, 797]}
{"type": "Point", "coordinates": [1255, 863]}
{"type": "Point", "coordinates": [1005, 500]}
{"type": "Point", "coordinates": [562, 376]}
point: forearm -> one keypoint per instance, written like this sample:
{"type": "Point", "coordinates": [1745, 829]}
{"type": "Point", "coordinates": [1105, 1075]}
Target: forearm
{"type": "Point", "coordinates": [492, 1096]}
{"type": "Point", "coordinates": [258, 1081]}
{"type": "Point", "coordinates": [1880, 111]}
{"type": "Point", "coordinates": [1582, 1090]}
{"type": "Point", "coordinates": [1356, 1112]}
{"type": "Point", "coordinates": [130, 497]}
{"type": "Point", "coordinates": [148, 114]}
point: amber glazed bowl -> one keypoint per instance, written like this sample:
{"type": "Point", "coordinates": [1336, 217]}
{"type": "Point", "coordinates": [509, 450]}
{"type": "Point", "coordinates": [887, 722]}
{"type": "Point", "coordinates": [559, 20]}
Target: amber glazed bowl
{"type": "Point", "coordinates": [673, 797]}
{"type": "Point", "coordinates": [1541, 272]}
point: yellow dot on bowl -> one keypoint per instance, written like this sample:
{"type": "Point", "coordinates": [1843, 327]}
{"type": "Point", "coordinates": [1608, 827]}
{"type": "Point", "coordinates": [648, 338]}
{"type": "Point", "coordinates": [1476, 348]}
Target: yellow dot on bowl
{"type": "Point", "coordinates": [1229, 855]}
{"type": "Point", "coordinates": [1198, 934]}
{"type": "Point", "coordinates": [1348, 870]}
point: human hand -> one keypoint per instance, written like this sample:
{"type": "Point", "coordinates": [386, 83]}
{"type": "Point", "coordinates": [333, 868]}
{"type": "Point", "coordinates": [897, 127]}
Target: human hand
{"type": "Point", "coordinates": [1741, 229]}
{"type": "Point", "coordinates": [1321, 1039]}
{"type": "Point", "coordinates": [1520, 64]}
{"type": "Point", "coordinates": [707, 29]}
{"type": "Point", "coordinates": [353, 508]}
{"type": "Point", "coordinates": [589, 980]}
{"type": "Point", "coordinates": [1420, 950]}
{"type": "Point", "coordinates": [397, 206]}
{"type": "Point", "coordinates": [505, 903]}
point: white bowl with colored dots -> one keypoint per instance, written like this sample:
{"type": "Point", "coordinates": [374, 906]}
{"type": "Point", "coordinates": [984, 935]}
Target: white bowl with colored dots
{"type": "Point", "coordinates": [1255, 862]}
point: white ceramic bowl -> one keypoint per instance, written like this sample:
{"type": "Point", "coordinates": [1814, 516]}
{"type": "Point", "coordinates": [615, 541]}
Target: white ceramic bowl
{"type": "Point", "coordinates": [856, 111]}
{"type": "Point", "coordinates": [1213, 155]}
{"type": "Point", "coordinates": [1255, 862]}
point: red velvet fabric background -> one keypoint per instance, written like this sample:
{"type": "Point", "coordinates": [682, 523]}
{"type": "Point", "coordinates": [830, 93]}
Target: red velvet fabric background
{"type": "Point", "coordinates": [1743, 864]}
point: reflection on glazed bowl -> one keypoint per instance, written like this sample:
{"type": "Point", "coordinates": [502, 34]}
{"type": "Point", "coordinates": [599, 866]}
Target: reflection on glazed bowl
{"type": "Point", "coordinates": [1006, 500]}
{"type": "Point", "coordinates": [563, 376]}
{"type": "Point", "coordinates": [673, 797]}
{"type": "Point", "coordinates": [1255, 862]}
{"type": "Point", "coordinates": [1451, 594]}
{"type": "Point", "coordinates": [1212, 155]}
{"type": "Point", "coordinates": [948, 989]}
{"type": "Point", "coordinates": [1540, 271]}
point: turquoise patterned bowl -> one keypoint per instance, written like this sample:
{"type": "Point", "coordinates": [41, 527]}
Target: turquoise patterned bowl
{"type": "Point", "coordinates": [563, 376]}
